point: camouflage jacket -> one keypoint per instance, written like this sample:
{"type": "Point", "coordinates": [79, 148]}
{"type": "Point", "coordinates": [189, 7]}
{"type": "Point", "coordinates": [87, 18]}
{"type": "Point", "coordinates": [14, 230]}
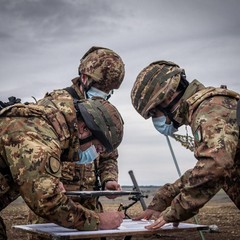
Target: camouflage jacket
{"type": "Point", "coordinates": [32, 141]}
{"type": "Point", "coordinates": [211, 113]}
{"type": "Point", "coordinates": [83, 177]}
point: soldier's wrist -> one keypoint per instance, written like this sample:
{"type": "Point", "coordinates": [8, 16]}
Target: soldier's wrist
{"type": "Point", "coordinates": [107, 180]}
{"type": "Point", "coordinates": [91, 224]}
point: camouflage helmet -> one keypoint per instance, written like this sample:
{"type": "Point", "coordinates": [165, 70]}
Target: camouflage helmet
{"type": "Point", "coordinates": [104, 121]}
{"type": "Point", "coordinates": [154, 84]}
{"type": "Point", "coordinates": [103, 66]}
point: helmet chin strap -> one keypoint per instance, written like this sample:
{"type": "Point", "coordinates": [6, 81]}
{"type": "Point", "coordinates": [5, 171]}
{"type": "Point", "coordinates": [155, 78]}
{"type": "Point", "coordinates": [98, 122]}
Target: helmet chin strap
{"type": "Point", "coordinates": [86, 140]}
{"type": "Point", "coordinates": [84, 85]}
{"type": "Point", "coordinates": [110, 94]}
{"type": "Point", "coordinates": [168, 112]}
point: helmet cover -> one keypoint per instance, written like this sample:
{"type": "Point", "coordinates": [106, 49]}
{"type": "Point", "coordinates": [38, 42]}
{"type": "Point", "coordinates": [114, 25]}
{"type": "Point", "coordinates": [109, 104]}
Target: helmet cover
{"type": "Point", "coordinates": [154, 84]}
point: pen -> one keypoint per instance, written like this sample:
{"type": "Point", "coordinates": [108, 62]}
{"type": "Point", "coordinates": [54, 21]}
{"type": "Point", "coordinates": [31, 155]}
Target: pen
{"type": "Point", "coordinates": [120, 208]}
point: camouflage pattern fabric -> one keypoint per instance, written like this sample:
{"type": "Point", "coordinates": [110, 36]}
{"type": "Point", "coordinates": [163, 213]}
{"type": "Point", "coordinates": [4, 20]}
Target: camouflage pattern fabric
{"type": "Point", "coordinates": [104, 66]}
{"type": "Point", "coordinates": [212, 117]}
{"type": "Point", "coordinates": [75, 85]}
{"type": "Point", "coordinates": [66, 106]}
{"type": "Point", "coordinates": [164, 196]}
{"type": "Point", "coordinates": [83, 176]}
{"type": "Point", "coordinates": [30, 149]}
{"type": "Point", "coordinates": [154, 84]}
{"type": "Point", "coordinates": [100, 112]}
{"type": "Point", "coordinates": [76, 177]}
{"type": "Point", "coordinates": [108, 167]}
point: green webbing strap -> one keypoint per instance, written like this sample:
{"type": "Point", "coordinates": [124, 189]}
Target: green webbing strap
{"type": "Point", "coordinates": [144, 82]}
{"type": "Point", "coordinates": [72, 92]}
{"type": "Point", "coordinates": [153, 84]}
{"type": "Point", "coordinates": [160, 78]}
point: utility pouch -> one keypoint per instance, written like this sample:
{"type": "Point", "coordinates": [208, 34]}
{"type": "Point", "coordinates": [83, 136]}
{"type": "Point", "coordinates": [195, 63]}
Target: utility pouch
{"type": "Point", "coordinates": [238, 113]}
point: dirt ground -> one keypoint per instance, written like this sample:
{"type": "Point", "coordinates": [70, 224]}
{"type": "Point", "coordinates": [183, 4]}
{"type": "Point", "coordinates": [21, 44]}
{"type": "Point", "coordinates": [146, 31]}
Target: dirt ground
{"type": "Point", "coordinates": [220, 211]}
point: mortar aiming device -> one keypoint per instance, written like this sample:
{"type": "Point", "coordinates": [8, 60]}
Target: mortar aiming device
{"type": "Point", "coordinates": [135, 195]}
{"type": "Point", "coordinates": [140, 197]}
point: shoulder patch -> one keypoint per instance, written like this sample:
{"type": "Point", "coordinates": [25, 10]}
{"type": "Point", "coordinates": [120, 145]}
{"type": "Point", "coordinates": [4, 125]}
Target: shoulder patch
{"type": "Point", "coordinates": [53, 166]}
{"type": "Point", "coordinates": [198, 135]}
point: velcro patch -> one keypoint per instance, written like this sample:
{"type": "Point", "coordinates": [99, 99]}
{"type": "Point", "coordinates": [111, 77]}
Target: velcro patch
{"type": "Point", "coordinates": [53, 166]}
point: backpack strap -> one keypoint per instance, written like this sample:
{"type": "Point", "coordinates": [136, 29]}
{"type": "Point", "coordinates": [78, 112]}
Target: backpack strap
{"type": "Point", "coordinates": [72, 92]}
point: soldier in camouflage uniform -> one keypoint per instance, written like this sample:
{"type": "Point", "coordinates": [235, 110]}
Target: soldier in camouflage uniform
{"type": "Point", "coordinates": [161, 89]}
{"type": "Point", "coordinates": [34, 140]}
{"type": "Point", "coordinates": [100, 71]}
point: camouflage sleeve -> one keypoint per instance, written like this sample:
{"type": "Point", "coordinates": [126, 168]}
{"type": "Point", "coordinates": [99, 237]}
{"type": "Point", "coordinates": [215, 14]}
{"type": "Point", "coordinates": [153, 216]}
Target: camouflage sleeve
{"type": "Point", "coordinates": [108, 167]}
{"type": "Point", "coordinates": [216, 137]}
{"type": "Point", "coordinates": [72, 177]}
{"type": "Point", "coordinates": [68, 171]}
{"type": "Point", "coordinates": [36, 168]}
{"type": "Point", "coordinates": [164, 196]}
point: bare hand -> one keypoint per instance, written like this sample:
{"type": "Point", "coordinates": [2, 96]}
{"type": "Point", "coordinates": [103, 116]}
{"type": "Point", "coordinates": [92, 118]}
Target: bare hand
{"type": "Point", "coordinates": [61, 187]}
{"type": "Point", "coordinates": [148, 214]}
{"type": "Point", "coordinates": [112, 185]}
{"type": "Point", "coordinates": [110, 220]}
{"type": "Point", "coordinates": [157, 224]}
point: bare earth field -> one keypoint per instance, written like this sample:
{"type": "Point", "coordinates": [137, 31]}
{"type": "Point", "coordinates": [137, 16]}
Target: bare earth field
{"type": "Point", "coordinates": [219, 211]}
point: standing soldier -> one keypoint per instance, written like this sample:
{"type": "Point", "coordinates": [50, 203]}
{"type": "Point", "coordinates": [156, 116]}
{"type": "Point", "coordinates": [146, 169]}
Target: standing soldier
{"type": "Point", "coordinates": [162, 92]}
{"type": "Point", "coordinates": [100, 71]}
{"type": "Point", "coordinates": [34, 140]}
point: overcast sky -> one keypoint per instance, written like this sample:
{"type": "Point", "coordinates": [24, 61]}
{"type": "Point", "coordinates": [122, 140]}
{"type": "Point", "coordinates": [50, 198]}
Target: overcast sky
{"type": "Point", "coordinates": [42, 42]}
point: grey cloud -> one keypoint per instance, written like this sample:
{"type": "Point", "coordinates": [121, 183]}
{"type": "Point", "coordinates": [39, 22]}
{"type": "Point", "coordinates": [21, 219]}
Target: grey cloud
{"type": "Point", "coordinates": [47, 21]}
{"type": "Point", "coordinates": [42, 41]}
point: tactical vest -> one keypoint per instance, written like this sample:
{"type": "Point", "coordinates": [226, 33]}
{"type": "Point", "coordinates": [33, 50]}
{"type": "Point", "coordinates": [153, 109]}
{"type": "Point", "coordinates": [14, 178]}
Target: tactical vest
{"type": "Point", "coordinates": [54, 117]}
{"type": "Point", "coordinates": [61, 100]}
{"type": "Point", "coordinates": [51, 115]}
{"type": "Point", "coordinates": [194, 95]}
{"type": "Point", "coordinates": [193, 101]}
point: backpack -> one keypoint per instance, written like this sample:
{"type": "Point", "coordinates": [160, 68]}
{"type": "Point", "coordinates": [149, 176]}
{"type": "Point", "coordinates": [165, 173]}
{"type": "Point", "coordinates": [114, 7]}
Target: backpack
{"type": "Point", "coordinates": [12, 101]}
